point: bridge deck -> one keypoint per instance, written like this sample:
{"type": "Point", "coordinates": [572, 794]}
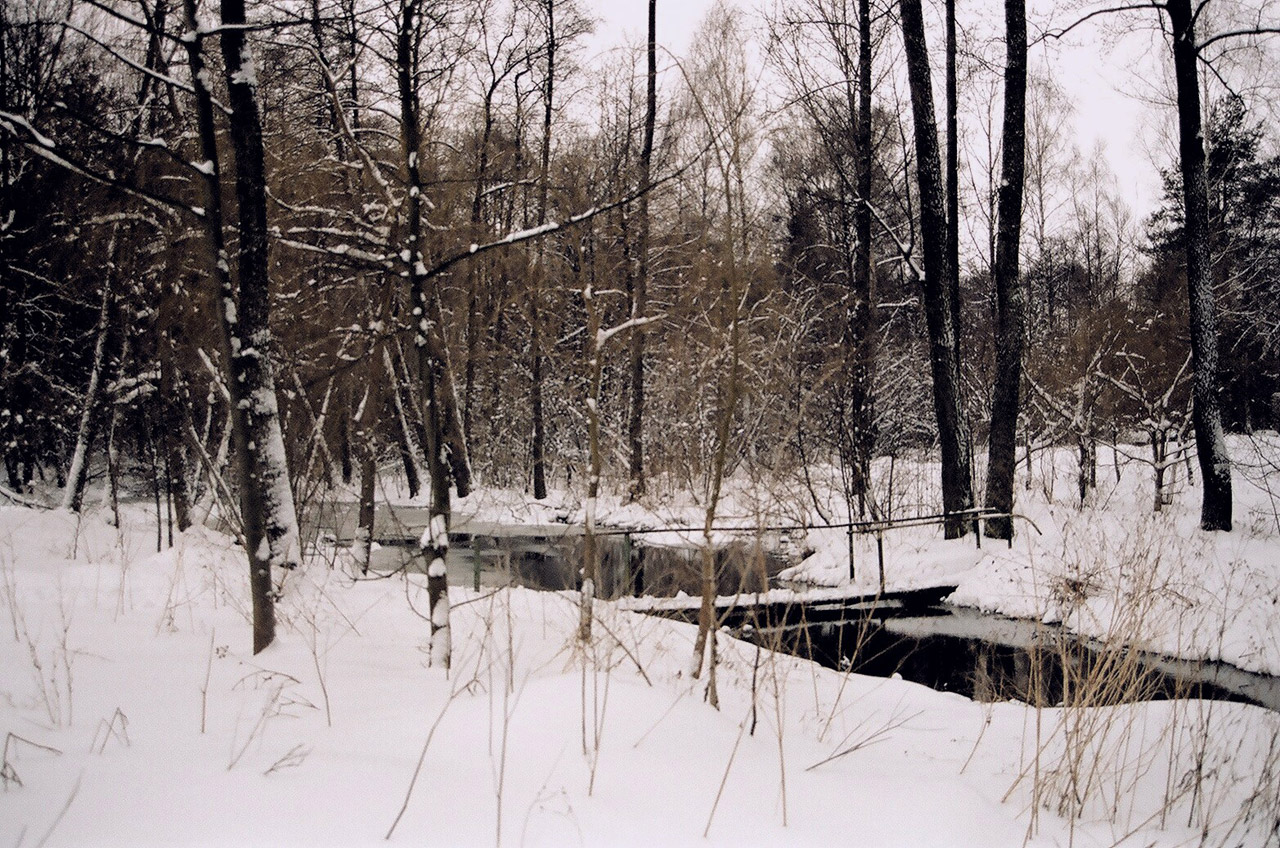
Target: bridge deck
{"type": "Point", "coordinates": [779, 606]}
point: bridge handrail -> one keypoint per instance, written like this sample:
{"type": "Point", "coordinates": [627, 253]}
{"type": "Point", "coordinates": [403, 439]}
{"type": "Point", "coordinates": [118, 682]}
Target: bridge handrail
{"type": "Point", "coordinates": [867, 527]}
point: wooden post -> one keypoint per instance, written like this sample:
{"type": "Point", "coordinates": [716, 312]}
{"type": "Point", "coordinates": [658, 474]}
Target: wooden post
{"type": "Point", "coordinates": [849, 530]}
{"type": "Point", "coordinates": [625, 578]}
{"type": "Point", "coordinates": [880, 556]}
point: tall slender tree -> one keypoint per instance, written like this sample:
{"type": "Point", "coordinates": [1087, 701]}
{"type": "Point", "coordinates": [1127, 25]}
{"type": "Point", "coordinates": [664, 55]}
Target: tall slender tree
{"type": "Point", "coordinates": [1206, 411]}
{"type": "Point", "coordinates": [640, 286]}
{"type": "Point", "coordinates": [251, 349]}
{"type": "Point", "coordinates": [953, 161]}
{"type": "Point", "coordinates": [538, 445]}
{"type": "Point", "coordinates": [938, 280]}
{"type": "Point", "coordinates": [1010, 307]}
{"type": "Point", "coordinates": [863, 318]}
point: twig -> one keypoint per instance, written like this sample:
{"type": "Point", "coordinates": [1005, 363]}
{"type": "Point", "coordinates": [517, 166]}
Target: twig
{"type": "Point", "coordinates": [869, 739]}
{"type": "Point", "coordinates": [13, 737]}
{"type": "Point", "coordinates": [204, 688]}
{"type": "Point", "coordinates": [108, 729]}
{"type": "Point", "coordinates": [324, 690]}
{"type": "Point", "coordinates": [268, 710]}
{"type": "Point", "coordinates": [418, 768]}
{"type": "Point", "coordinates": [8, 774]}
{"type": "Point", "coordinates": [292, 758]}
{"type": "Point", "coordinates": [58, 819]}
{"type": "Point", "coordinates": [661, 718]}
{"type": "Point", "coordinates": [742, 728]}
{"type": "Point", "coordinates": [625, 649]}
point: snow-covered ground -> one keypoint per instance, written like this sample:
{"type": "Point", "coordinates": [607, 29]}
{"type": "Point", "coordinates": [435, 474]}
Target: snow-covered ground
{"type": "Point", "coordinates": [134, 713]}
{"type": "Point", "coordinates": [1112, 569]}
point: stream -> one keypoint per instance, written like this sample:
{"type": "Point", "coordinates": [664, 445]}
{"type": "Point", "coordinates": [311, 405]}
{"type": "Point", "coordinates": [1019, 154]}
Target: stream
{"type": "Point", "coordinates": [982, 656]}
{"type": "Point", "coordinates": [991, 658]}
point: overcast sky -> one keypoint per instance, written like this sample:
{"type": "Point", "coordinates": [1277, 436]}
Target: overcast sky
{"type": "Point", "coordinates": [1109, 77]}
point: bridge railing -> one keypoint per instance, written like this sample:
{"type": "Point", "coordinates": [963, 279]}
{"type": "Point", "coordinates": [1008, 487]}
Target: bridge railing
{"type": "Point", "coordinates": [869, 527]}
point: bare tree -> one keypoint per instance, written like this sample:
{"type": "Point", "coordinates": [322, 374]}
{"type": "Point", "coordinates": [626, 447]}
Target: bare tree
{"type": "Point", "coordinates": [640, 285]}
{"type": "Point", "coordinates": [721, 94]}
{"type": "Point", "coordinates": [938, 280]}
{"type": "Point", "coordinates": [1206, 412]}
{"type": "Point", "coordinates": [1010, 310]}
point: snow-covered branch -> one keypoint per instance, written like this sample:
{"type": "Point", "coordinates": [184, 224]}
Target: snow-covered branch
{"type": "Point", "coordinates": [603, 336]}
{"type": "Point", "coordinates": [44, 147]}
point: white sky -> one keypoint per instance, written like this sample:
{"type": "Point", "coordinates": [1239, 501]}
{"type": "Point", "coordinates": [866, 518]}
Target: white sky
{"type": "Point", "coordinates": [1108, 76]}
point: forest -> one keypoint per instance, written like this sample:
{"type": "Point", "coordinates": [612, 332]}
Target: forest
{"type": "Point", "coordinates": [837, 267]}
{"type": "Point", "coordinates": [253, 255]}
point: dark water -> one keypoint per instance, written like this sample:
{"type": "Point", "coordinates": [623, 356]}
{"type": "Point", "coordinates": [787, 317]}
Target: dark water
{"type": "Point", "coordinates": [990, 658]}
{"type": "Point", "coordinates": [951, 649]}
{"type": "Point", "coordinates": [552, 561]}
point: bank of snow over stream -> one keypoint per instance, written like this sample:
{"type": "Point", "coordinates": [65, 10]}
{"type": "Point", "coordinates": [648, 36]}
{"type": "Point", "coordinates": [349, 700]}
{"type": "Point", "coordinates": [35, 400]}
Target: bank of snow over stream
{"type": "Point", "coordinates": [134, 714]}
{"type": "Point", "coordinates": [1110, 569]}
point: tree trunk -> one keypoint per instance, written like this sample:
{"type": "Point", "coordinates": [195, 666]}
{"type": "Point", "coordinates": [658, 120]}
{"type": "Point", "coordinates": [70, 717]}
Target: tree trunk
{"type": "Point", "coordinates": [590, 555]}
{"type": "Point", "coordinates": [705, 641]}
{"type": "Point", "coordinates": [366, 422]}
{"type": "Point", "coordinates": [174, 406]}
{"type": "Point", "coordinates": [437, 385]}
{"type": "Point", "coordinates": [268, 516]}
{"type": "Point", "coordinates": [473, 272]}
{"type": "Point", "coordinates": [538, 457]}
{"type": "Point", "coordinates": [344, 449]}
{"type": "Point", "coordinates": [73, 496]}
{"type": "Point", "coordinates": [953, 431]}
{"type": "Point", "coordinates": [233, 333]}
{"type": "Point", "coordinates": [435, 541]}
{"type": "Point", "coordinates": [863, 321]}
{"type": "Point", "coordinates": [1206, 412]}
{"type": "Point", "coordinates": [1010, 307]}
{"type": "Point", "coordinates": [640, 293]}
{"type": "Point", "coordinates": [251, 349]}
{"type": "Point", "coordinates": [953, 166]}
{"type": "Point", "coordinates": [404, 430]}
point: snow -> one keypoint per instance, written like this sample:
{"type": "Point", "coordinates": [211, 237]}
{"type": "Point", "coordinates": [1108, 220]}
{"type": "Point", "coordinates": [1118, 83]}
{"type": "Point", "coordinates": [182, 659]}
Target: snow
{"type": "Point", "coordinates": [247, 73]}
{"type": "Point", "coordinates": [436, 535]}
{"type": "Point", "coordinates": [12, 119]}
{"type": "Point", "coordinates": [137, 716]}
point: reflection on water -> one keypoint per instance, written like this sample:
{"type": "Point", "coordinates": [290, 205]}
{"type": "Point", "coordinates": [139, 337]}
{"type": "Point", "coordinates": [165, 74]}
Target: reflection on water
{"type": "Point", "coordinates": [627, 566]}
{"type": "Point", "coordinates": [990, 658]}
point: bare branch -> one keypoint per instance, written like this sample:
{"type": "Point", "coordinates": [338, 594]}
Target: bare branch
{"type": "Point", "coordinates": [1059, 33]}
{"type": "Point", "coordinates": [1237, 33]}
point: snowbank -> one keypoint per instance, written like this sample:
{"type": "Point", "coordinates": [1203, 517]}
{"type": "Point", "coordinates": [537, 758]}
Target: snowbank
{"type": "Point", "coordinates": [136, 716]}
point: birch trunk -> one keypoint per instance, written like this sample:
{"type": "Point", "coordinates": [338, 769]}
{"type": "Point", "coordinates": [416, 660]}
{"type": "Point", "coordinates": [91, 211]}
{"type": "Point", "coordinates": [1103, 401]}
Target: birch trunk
{"type": "Point", "coordinates": [1206, 412]}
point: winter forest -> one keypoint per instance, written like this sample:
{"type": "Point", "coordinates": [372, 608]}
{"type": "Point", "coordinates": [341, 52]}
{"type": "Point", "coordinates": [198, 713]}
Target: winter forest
{"type": "Point", "coordinates": [473, 422]}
